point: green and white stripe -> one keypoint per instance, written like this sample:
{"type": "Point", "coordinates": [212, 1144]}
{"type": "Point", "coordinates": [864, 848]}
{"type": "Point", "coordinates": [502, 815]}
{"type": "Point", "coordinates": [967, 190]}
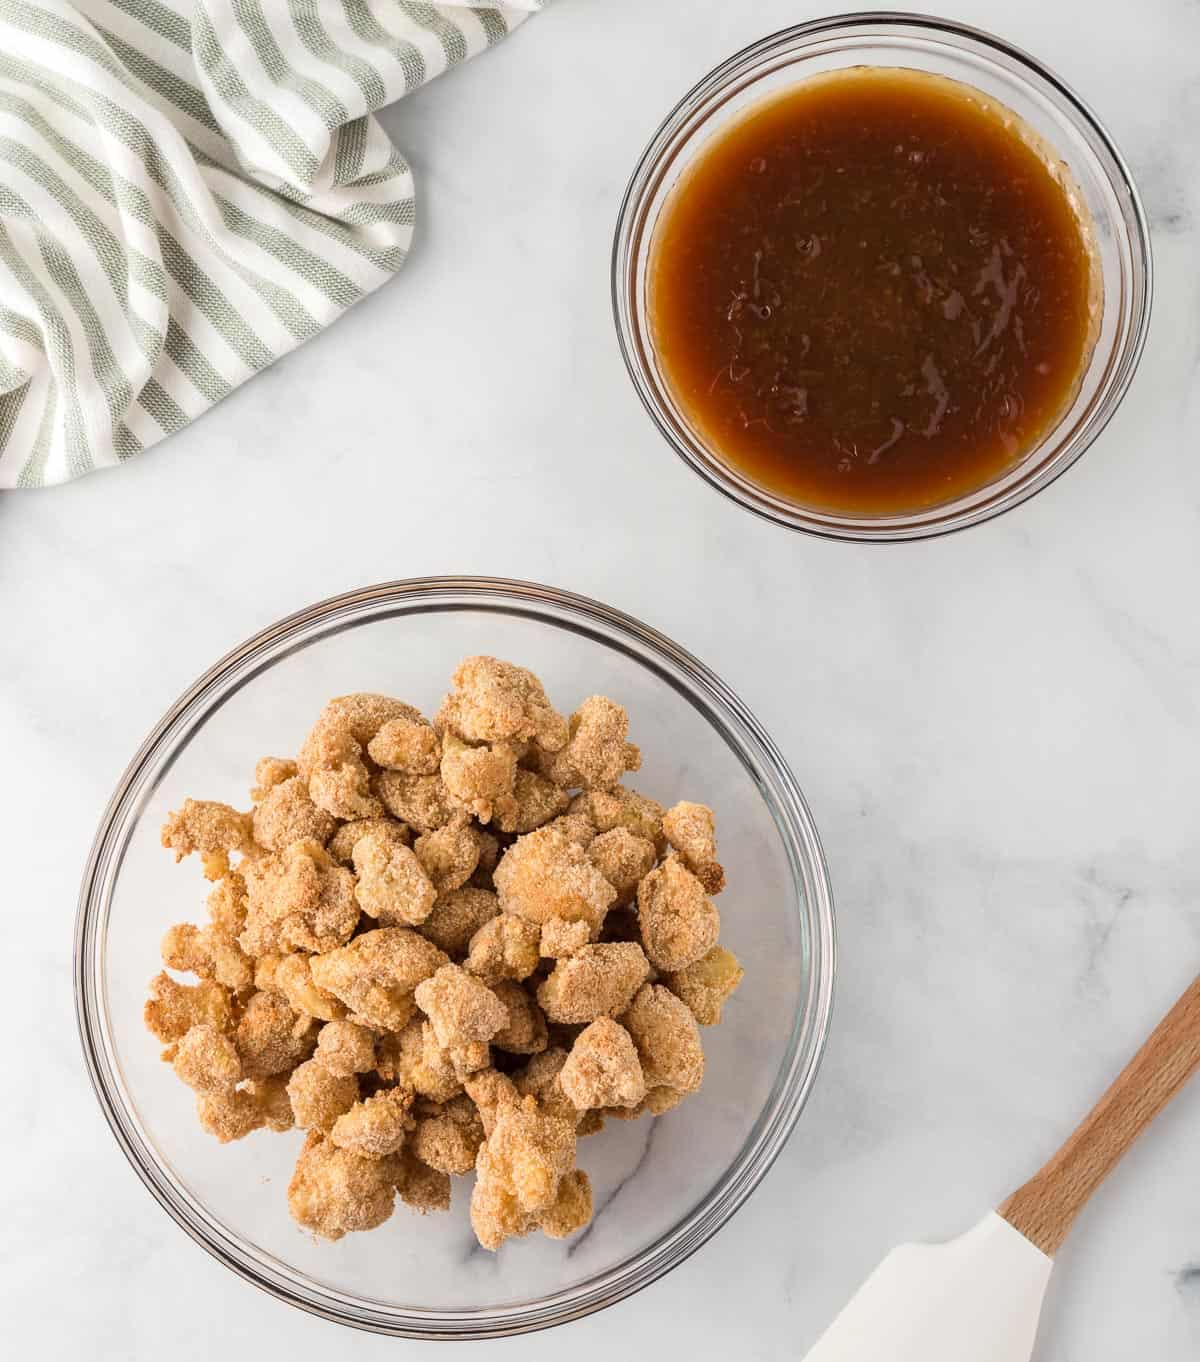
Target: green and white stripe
{"type": "Point", "coordinates": [188, 190]}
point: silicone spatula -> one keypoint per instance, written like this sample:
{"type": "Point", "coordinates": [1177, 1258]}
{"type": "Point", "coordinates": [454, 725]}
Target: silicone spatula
{"type": "Point", "coordinates": [978, 1297]}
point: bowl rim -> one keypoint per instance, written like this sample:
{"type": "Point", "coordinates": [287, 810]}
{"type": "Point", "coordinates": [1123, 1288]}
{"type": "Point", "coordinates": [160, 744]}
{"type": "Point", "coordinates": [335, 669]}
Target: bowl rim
{"type": "Point", "coordinates": [950, 517]}
{"type": "Point", "coordinates": [793, 1082]}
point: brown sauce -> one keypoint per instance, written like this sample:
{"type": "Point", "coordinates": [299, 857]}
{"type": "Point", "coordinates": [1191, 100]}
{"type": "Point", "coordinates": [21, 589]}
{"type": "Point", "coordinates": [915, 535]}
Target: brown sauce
{"type": "Point", "coordinates": [873, 293]}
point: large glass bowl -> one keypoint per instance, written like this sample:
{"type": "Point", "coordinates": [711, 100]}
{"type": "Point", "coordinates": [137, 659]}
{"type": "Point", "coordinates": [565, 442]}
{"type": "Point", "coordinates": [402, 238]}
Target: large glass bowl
{"type": "Point", "coordinates": [1014, 78]}
{"type": "Point", "coordinates": [662, 1187]}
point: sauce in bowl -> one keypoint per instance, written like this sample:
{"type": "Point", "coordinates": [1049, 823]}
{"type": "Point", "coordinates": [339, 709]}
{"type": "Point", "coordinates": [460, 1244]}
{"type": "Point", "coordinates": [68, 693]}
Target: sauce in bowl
{"type": "Point", "coordinates": [875, 292]}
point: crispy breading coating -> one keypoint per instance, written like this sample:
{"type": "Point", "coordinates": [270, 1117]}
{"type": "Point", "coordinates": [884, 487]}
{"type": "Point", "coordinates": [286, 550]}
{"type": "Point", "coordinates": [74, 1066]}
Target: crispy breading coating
{"type": "Point", "coordinates": [376, 1126]}
{"type": "Point", "coordinates": [561, 938]}
{"type": "Point", "coordinates": [544, 875]}
{"type": "Point", "coordinates": [624, 859]}
{"type": "Point", "coordinates": [691, 830]}
{"type": "Point", "coordinates": [496, 1213]}
{"type": "Point", "coordinates": [341, 844]}
{"type": "Point", "coordinates": [571, 1209]}
{"type": "Point", "coordinates": [535, 800]}
{"type": "Point", "coordinates": [206, 826]}
{"type": "Point", "coordinates": [495, 701]}
{"type": "Point", "coordinates": [449, 1137]}
{"type": "Point", "coordinates": [269, 772]}
{"type": "Point", "coordinates": [678, 922]}
{"type": "Point", "coordinates": [505, 947]}
{"type": "Point", "coordinates": [541, 1078]}
{"type": "Point", "coordinates": [298, 900]}
{"type": "Point", "coordinates": [286, 814]}
{"type": "Point", "coordinates": [576, 827]}
{"type": "Point", "coordinates": [173, 1009]}
{"type": "Point", "coordinates": [457, 916]}
{"type": "Point", "coordinates": [603, 1069]}
{"type": "Point", "coordinates": [274, 1104]}
{"type": "Point", "coordinates": [207, 1060]}
{"type": "Point", "coordinates": [706, 983]}
{"type": "Point", "coordinates": [331, 759]}
{"type": "Point", "coordinates": [345, 1048]}
{"type": "Point", "coordinates": [393, 887]}
{"type": "Point", "coordinates": [449, 854]}
{"type": "Point", "coordinates": [597, 981]}
{"type": "Point", "coordinates": [530, 1152]}
{"type": "Point", "coordinates": [460, 1008]}
{"type": "Point", "coordinates": [422, 1188]}
{"type": "Point", "coordinates": [480, 777]}
{"type": "Point", "coordinates": [209, 952]}
{"type": "Point", "coordinates": [435, 1074]}
{"type": "Point", "coordinates": [292, 976]}
{"type": "Point", "coordinates": [227, 905]}
{"type": "Point", "coordinates": [230, 1114]}
{"type": "Point", "coordinates": [409, 745]}
{"type": "Point", "coordinates": [667, 1039]}
{"type": "Point", "coordinates": [421, 801]}
{"type": "Point", "coordinates": [271, 1036]}
{"type": "Point", "coordinates": [491, 1091]}
{"type": "Point", "coordinates": [318, 1097]}
{"type": "Point", "coordinates": [375, 975]}
{"type": "Point", "coordinates": [525, 1031]}
{"type": "Point", "coordinates": [622, 808]}
{"type": "Point", "coordinates": [334, 1191]}
{"type": "Point", "coordinates": [597, 754]}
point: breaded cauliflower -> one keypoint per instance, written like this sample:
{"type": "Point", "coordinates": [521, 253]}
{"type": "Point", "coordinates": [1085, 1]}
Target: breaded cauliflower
{"type": "Point", "coordinates": [392, 887]}
{"type": "Point", "coordinates": [505, 947]}
{"type": "Point", "coordinates": [603, 1069]}
{"type": "Point", "coordinates": [449, 854]}
{"type": "Point", "coordinates": [480, 777]}
{"type": "Point", "coordinates": [544, 875]}
{"type": "Point", "coordinates": [376, 1126]}
{"type": "Point", "coordinates": [331, 759]}
{"type": "Point", "coordinates": [318, 1097]}
{"type": "Point", "coordinates": [597, 754]}
{"type": "Point", "coordinates": [298, 900]}
{"type": "Point", "coordinates": [334, 1191]}
{"type": "Point", "coordinates": [457, 916]}
{"type": "Point", "coordinates": [346, 1048]}
{"type": "Point", "coordinates": [423, 802]}
{"type": "Point", "coordinates": [679, 924]}
{"type": "Point", "coordinates": [525, 1031]}
{"type": "Point", "coordinates": [597, 981]}
{"type": "Point", "coordinates": [624, 859]}
{"type": "Point", "coordinates": [173, 1009]}
{"type": "Point", "coordinates": [667, 1039]}
{"type": "Point", "coordinates": [495, 701]}
{"type": "Point", "coordinates": [691, 830]}
{"type": "Point", "coordinates": [376, 974]}
{"type": "Point", "coordinates": [409, 745]}
{"type": "Point", "coordinates": [705, 984]}
{"type": "Point", "coordinates": [460, 1008]}
{"type": "Point", "coordinates": [286, 814]}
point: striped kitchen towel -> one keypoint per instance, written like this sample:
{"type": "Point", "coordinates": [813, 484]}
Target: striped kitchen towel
{"type": "Point", "coordinates": [188, 190]}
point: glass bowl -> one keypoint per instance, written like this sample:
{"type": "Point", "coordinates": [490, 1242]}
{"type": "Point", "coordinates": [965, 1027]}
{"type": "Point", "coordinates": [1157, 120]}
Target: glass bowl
{"type": "Point", "coordinates": [662, 1187]}
{"type": "Point", "coordinates": [949, 49]}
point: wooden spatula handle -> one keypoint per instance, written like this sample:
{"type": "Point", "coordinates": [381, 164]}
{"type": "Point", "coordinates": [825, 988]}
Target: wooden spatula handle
{"type": "Point", "coordinates": [1045, 1208]}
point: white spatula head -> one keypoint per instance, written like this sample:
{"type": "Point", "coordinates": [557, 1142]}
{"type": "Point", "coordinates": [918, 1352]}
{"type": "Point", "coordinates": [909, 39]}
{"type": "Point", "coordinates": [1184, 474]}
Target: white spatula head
{"type": "Point", "coordinates": [977, 1297]}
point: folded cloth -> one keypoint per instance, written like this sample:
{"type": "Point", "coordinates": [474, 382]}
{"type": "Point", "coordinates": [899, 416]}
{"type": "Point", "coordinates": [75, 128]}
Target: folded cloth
{"type": "Point", "coordinates": [188, 190]}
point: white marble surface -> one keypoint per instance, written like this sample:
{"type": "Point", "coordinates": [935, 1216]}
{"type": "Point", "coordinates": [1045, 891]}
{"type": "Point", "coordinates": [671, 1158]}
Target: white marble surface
{"type": "Point", "coordinates": [999, 733]}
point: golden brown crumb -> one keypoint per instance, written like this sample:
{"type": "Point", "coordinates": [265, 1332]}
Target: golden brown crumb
{"type": "Point", "coordinates": [495, 701]}
{"type": "Point", "coordinates": [505, 947]}
{"type": "Point", "coordinates": [331, 759]}
{"type": "Point", "coordinates": [206, 826]}
{"type": "Point", "coordinates": [590, 1123]}
{"type": "Point", "coordinates": [271, 1098]}
{"type": "Point", "coordinates": [460, 1008]}
{"type": "Point", "coordinates": [375, 975]}
{"type": "Point", "coordinates": [596, 755]}
{"type": "Point", "coordinates": [334, 1191]}
{"type": "Point", "coordinates": [535, 800]}
{"type": "Point", "coordinates": [603, 1069]}
{"type": "Point", "coordinates": [298, 900]}
{"type": "Point", "coordinates": [206, 1060]}
{"type": "Point", "coordinates": [421, 801]}
{"type": "Point", "coordinates": [448, 1138]}
{"type": "Point", "coordinates": [544, 875]}
{"type": "Point", "coordinates": [230, 1114]}
{"type": "Point", "coordinates": [622, 808]}
{"type": "Point", "coordinates": [480, 778]}
{"type": "Point", "coordinates": [667, 1039]}
{"type": "Point", "coordinates": [376, 1126]}
{"type": "Point", "coordinates": [449, 854]}
{"type": "Point", "coordinates": [525, 1031]}
{"type": "Point", "coordinates": [286, 815]}
{"type": "Point", "coordinates": [457, 916]}
{"type": "Point", "coordinates": [344, 1048]}
{"type": "Point", "coordinates": [575, 827]}
{"type": "Point", "coordinates": [691, 830]}
{"type": "Point", "coordinates": [597, 981]}
{"type": "Point", "coordinates": [530, 1152]}
{"type": "Point", "coordinates": [491, 1091]}
{"type": "Point", "coordinates": [571, 1209]}
{"type": "Point", "coordinates": [561, 938]}
{"type": "Point", "coordinates": [409, 745]}
{"type": "Point", "coordinates": [227, 905]}
{"type": "Point", "coordinates": [271, 1036]}
{"type": "Point", "coordinates": [496, 1214]}
{"type": "Point", "coordinates": [209, 952]}
{"type": "Point", "coordinates": [434, 1074]}
{"type": "Point", "coordinates": [706, 983]}
{"type": "Point", "coordinates": [679, 923]}
{"type": "Point", "coordinates": [269, 772]}
{"type": "Point", "coordinates": [292, 977]}
{"type": "Point", "coordinates": [318, 1097]}
{"type": "Point", "coordinates": [341, 844]}
{"type": "Point", "coordinates": [393, 887]}
{"type": "Point", "coordinates": [173, 1009]}
{"type": "Point", "coordinates": [623, 859]}
{"type": "Point", "coordinates": [422, 1188]}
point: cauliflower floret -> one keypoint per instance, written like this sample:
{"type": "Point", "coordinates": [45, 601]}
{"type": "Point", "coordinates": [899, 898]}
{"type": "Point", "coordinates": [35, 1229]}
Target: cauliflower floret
{"type": "Point", "coordinates": [409, 745]}
{"type": "Point", "coordinates": [571, 1209]}
{"type": "Point", "coordinates": [211, 828]}
{"type": "Point", "coordinates": [274, 1104]}
{"type": "Point", "coordinates": [292, 976]}
{"type": "Point", "coordinates": [331, 760]}
{"type": "Point", "coordinates": [706, 983]}
{"type": "Point", "coordinates": [575, 827]}
{"type": "Point", "coordinates": [173, 1009]}
{"type": "Point", "coordinates": [667, 1039]}
{"type": "Point", "coordinates": [422, 1188]}
{"type": "Point", "coordinates": [691, 830]}
{"type": "Point", "coordinates": [525, 1032]}
{"type": "Point", "coordinates": [544, 875]}
{"type": "Point", "coordinates": [334, 1190]}
{"type": "Point", "coordinates": [622, 808]}
{"type": "Point", "coordinates": [209, 952]}
{"type": "Point", "coordinates": [230, 1114]}
{"type": "Point", "coordinates": [271, 1036]}
{"type": "Point", "coordinates": [393, 888]}
{"type": "Point", "coordinates": [298, 900]}
{"type": "Point", "coordinates": [421, 801]}
{"type": "Point", "coordinates": [375, 975]}
{"type": "Point", "coordinates": [376, 1126]}
{"type": "Point", "coordinates": [342, 843]}
{"type": "Point", "coordinates": [505, 947]}
{"type": "Point", "coordinates": [460, 1009]}
{"type": "Point", "coordinates": [449, 854]}
{"type": "Point", "coordinates": [535, 800]}
{"type": "Point", "coordinates": [457, 916]}
{"type": "Point", "coordinates": [480, 777]}
{"type": "Point", "coordinates": [597, 981]}
{"type": "Point", "coordinates": [596, 755]}
{"type": "Point", "coordinates": [678, 922]}
{"type": "Point", "coordinates": [207, 1060]}
{"type": "Point", "coordinates": [495, 701]}
{"type": "Point", "coordinates": [227, 905]}
{"type": "Point", "coordinates": [496, 1213]}
{"type": "Point", "coordinates": [624, 859]}
{"type": "Point", "coordinates": [561, 938]}
{"type": "Point", "coordinates": [447, 1136]}
{"type": "Point", "coordinates": [318, 1097]}
{"type": "Point", "coordinates": [491, 1091]}
{"type": "Point", "coordinates": [286, 814]}
{"type": "Point", "coordinates": [269, 772]}
{"type": "Point", "coordinates": [530, 1152]}
{"type": "Point", "coordinates": [345, 1048]}
{"type": "Point", "coordinates": [603, 1069]}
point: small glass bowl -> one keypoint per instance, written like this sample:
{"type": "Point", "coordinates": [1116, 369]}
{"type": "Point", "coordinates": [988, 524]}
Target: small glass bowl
{"type": "Point", "coordinates": [662, 1187]}
{"type": "Point", "coordinates": [949, 49]}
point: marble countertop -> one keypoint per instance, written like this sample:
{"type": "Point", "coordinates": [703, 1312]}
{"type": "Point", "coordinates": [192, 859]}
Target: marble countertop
{"type": "Point", "coordinates": [999, 733]}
